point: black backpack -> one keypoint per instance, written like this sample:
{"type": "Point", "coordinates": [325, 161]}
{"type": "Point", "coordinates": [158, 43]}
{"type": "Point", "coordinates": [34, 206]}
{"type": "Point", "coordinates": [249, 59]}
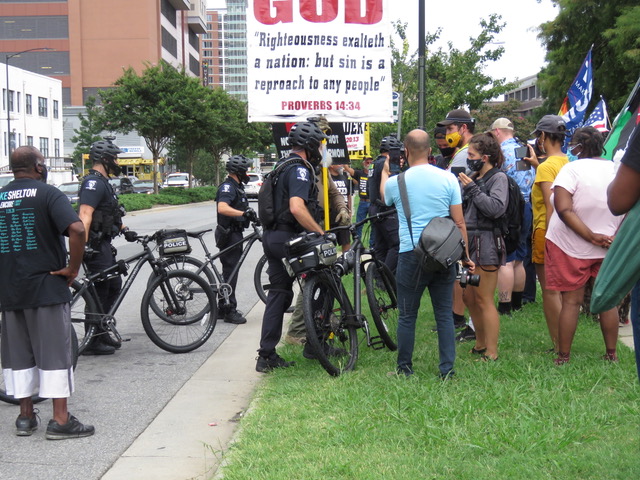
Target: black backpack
{"type": "Point", "coordinates": [510, 224]}
{"type": "Point", "coordinates": [266, 196]}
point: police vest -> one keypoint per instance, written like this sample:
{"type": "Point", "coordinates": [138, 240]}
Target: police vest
{"type": "Point", "coordinates": [106, 220]}
{"type": "Point", "coordinates": [285, 218]}
{"type": "Point", "coordinates": [239, 203]}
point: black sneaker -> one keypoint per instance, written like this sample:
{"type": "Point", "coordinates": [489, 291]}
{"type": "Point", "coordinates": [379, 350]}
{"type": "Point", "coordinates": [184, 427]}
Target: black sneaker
{"type": "Point", "coordinates": [99, 348]}
{"type": "Point", "coordinates": [309, 353]}
{"type": "Point", "coordinates": [72, 429]}
{"type": "Point", "coordinates": [109, 341]}
{"type": "Point", "coordinates": [264, 365]}
{"type": "Point", "coordinates": [459, 325]}
{"type": "Point", "coordinates": [235, 317]}
{"type": "Point", "coordinates": [25, 426]}
{"type": "Point", "coordinates": [466, 334]}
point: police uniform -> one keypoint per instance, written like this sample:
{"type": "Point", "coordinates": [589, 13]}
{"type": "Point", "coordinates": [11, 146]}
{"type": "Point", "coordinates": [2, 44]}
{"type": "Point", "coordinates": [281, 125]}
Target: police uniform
{"type": "Point", "coordinates": [386, 229]}
{"type": "Point", "coordinates": [229, 231]}
{"type": "Point", "coordinates": [106, 222]}
{"type": "Point", "coordinates": [297, 180]}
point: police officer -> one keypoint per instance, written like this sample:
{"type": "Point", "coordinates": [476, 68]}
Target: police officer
{"type": "Point", "coordinates": [101, 214]}
{"type": "Point", "coordinates": [295, 200]}
{"type": "Point", "coordinates": [234, 216]}
{"type": "Point", "coordinates": [387, 242]}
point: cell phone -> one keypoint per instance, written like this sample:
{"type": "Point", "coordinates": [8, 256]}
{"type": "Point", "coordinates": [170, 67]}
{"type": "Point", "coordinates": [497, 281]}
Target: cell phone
{"type": "Point", "coordinates": [521, 152]}
{"type": "Point", "coordinates": [521, 165]}
{"type": "Point", "coordinates": [458, 170]}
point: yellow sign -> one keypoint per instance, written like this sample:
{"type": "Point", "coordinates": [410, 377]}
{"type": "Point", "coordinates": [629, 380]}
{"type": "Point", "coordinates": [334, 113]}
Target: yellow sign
{"type": "Point", "coordinates": [366, 152]}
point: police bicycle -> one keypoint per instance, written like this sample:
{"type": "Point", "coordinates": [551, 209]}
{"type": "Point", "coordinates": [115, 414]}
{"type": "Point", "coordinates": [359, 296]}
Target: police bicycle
{"type": "Point", "coordinates": [331, 320]}
{"type": "Point", "coordinates": [208, 269]}
{"type": "Point", "coordinates": [178, 309]}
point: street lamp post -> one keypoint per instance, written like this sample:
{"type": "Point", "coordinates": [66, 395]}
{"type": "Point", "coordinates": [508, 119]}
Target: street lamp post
{"type": "Point", "coordinates": [7, 58]}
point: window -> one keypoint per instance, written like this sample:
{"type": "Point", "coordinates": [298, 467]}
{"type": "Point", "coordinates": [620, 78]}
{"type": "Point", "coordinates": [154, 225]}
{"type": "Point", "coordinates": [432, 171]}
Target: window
{"type": "Point", "coordinates": [55, 110]}
{"type": "Point", "coordinates": [56, 147]}
{"type": "Point", "coordinates": [11, 100]}
{"type": "Point", "coordinates": [18, 103]}
{"type": "Point", "coordinates": [44, 146]}
{"type": "Point", "coordinates": [28, 104]}
{"type": "Point", "coordinates": [30, 140]}
{"type": "Point", "coordinates": [43, 107]}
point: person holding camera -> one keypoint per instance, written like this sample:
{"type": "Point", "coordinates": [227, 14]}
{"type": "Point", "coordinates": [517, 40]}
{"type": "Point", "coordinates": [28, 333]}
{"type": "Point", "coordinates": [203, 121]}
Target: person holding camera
{"type": "Point", "coordinates": [486, 195]}
{"type": "Point", "coordinates": [512, 276]}
{"type": "Point", "coordinates": [580, 231]}
{"type": "Point", "coordinates": [101, 214]}
{"type": "Point", "coordinates": [297, 209]}
{"type": "Point", "coordinates": [234, 215]}
{"type": "Point", "coordinates": [387, 241]}
{"type": "Point", "coordinates": [432, 192]}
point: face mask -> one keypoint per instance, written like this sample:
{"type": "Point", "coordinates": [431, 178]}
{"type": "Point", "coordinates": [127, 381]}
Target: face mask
{"type": "Point", "coordinates": [314, 157]}
{"type": "Point", "coordinates": [475, 165]}
{"type": "Point", "coordinates": [447, 151]}
{"type": "Point", "coordinates": [571, 156]}
{"type": "Point", "coordinates": [540, 143]}
{"type": "Point", "coordinates": [43, 173]}
{"type": "Point", "coordinates": [453, 139]}
{"type": "Point", "coordinates": [111, 166]}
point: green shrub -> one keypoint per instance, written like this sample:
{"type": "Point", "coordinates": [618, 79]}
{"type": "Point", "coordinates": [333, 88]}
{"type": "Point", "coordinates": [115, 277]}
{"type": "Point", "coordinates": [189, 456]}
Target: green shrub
{"type": "Point", "coordinates": [167, 196]}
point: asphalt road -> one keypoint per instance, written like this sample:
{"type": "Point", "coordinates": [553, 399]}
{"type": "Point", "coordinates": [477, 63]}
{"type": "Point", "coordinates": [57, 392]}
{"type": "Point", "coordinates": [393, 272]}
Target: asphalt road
{"type": "Point", "coordinates": [120, 394]}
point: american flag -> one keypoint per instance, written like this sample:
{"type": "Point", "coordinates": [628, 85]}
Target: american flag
{"type": "Point", "coordinates": [599, 118]}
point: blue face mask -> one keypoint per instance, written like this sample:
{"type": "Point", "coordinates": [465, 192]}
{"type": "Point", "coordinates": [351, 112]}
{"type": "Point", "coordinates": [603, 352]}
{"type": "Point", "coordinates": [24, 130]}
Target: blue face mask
{"type": "Point", "coordinates": [571, 156]}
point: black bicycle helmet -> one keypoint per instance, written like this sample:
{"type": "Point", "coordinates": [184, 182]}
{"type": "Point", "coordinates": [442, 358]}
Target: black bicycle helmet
{"type": "Point", "coordinates": [389, 143]}
{"type": "Point", "coordinates": [238, 164]}
{"type": "Point", "coordinates": [103, 148]}
{"type": "Point", "coordinates": [307, 135]}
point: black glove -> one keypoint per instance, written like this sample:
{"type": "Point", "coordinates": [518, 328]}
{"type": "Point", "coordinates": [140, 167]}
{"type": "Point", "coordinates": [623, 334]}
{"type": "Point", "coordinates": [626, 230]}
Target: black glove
{"type": "Point", "coordinates": [89, 253]}
{"type": "Point", "coordinates": [130, 235]}
{"type": "Point", "coordinates": [250, 214]}
{"type": "Point", "coordinates": [331, 237]}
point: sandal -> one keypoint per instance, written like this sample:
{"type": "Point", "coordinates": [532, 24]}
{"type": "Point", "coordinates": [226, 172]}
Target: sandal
{"type": "Point", "coordinates": [610, 357]}
{"type": "Point", "coordinates": [486, 358]}
{"type": "Point", "coordinates": [562, 358]}
{"type": "Point", "coordinates": [477, 351]}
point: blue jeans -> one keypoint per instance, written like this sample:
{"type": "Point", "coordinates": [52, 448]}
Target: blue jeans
{"type": "Point", "coordinates": [412, 281]}
{"type": "Point", "coordinates": [635, 322]}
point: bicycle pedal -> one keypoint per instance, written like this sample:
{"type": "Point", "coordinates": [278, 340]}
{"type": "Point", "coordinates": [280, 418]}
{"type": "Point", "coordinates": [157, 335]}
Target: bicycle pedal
{"type": "Point", "coordinates": [377, 343]}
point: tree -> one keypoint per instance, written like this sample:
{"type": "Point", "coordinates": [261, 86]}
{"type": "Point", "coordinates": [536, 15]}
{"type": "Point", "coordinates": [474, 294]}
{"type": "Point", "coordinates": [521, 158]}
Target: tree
{"type": "Point", "coordinates": [613, 28]}
{"type": "Point", "coordinates": [152, 104]}
{"type": "Point", "coordinates": [488, 112]}
{"type": "Point", "coordinates": [453, 78]}
{"type": "Point", "coordinates": [91, 125]}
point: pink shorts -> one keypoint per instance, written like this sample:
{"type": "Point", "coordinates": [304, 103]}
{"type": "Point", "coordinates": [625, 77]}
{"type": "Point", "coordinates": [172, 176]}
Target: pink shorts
{"type": "Point", "coordinates": [565, 273]}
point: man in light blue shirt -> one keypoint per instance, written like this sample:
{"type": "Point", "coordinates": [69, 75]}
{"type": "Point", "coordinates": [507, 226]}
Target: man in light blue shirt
{"type": "Point", "coordinates": [432, 192]}
{"type": "Point", "coordinates": [512, 276]}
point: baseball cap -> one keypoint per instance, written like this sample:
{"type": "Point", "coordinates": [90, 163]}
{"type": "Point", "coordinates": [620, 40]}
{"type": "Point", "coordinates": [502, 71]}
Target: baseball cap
{"type": "Point", "coordinates": [502, 123]}
{"type": "Point", "coordinates": [456, 116]}
{"type": "Point", "coordinates": [551, 124]}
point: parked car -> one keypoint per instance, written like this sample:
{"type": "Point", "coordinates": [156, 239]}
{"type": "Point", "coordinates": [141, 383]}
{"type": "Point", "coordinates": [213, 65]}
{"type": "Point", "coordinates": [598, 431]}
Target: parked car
{"type": "Point", "coordinates": [121, 185]}
{"type": "Point", "coordinates": [71, 190]}
{"type": "Point", "coordinates": [252, 187]}
{"type": "Point", "coordinates": [143, 186]}
{"type": "Point", "coordinates": [180, 180]}
{"type": "Point", "coordinates": [5, 178]}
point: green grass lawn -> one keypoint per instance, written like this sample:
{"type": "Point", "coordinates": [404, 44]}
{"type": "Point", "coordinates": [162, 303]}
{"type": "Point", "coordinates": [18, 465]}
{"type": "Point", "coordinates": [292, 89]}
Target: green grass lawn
{"type": "Point", "coordinates": [519, 418]}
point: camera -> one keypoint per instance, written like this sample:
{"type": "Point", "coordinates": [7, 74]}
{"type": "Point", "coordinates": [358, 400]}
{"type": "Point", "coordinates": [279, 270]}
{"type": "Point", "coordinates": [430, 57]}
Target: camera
{"type": "Point", "coordinates": [521, 152]}
{"type": "Point", "coordinates": [465, 278]}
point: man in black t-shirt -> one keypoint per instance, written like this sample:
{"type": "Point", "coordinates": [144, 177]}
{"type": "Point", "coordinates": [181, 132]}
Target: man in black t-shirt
{"type": "Point", "coordinates": [234, 215]}
{"type": "Point", "coordinates": [360, 177]}
{"type": "Point", "coordinates": [34, 294]}
{"type": "Point", "coordinates": [344, 186]}
{"type": "Point", "coordinates": [101, 215]}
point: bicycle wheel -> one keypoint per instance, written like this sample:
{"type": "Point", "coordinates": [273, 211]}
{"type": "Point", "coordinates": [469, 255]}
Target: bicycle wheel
{"type": "Point", "coordinates": [183, 262]}
{"type": "Point", "coordinates": [85, 315]}
{"type": "Point", "coordinates": [36, 399]}
{"type": "Point", "coordinates": [332, 337]}
{"type": "Point", "coordinates": [383, 302]}
{"type": "Point", "coordinates": [179, 312]}
{"type": "Point", "coordinates": [261, 278]}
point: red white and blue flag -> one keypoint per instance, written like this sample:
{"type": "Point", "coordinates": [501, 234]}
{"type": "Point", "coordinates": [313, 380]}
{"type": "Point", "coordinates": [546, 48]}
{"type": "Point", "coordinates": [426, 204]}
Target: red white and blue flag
{"type": "Point", "coordinates": [599, 118]}
{"type": "Point", "coordinates": [578, 97]}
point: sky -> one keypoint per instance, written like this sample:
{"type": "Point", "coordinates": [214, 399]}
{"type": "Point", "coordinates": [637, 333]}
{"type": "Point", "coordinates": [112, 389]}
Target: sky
{"type": "Point", "coordinates": [460, 20]}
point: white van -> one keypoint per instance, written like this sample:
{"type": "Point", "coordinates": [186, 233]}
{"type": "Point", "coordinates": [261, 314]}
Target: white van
{"type": "Point", "coordinates": [5, 178]}
{"type": "Point", "coordinates": [180, 180]}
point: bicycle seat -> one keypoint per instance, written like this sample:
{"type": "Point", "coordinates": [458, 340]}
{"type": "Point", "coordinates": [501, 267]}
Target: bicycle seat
{"type": "Point", "coordinates": [199, 233]}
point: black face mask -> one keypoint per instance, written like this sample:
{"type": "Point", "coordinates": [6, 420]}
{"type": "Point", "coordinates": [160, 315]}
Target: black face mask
{"type": "Point", "coordinates": [475, 165]}
{"type": "Point", "coordinates": [314, 157]}
{"type": "Point", "coordinates": [447, 151]}
{"type": "Point", "coordinates": [43, 173]}
{"type": "Point", "coordinates": [111, 166]}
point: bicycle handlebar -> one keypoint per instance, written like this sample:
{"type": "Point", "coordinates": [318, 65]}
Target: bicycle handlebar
{"type": "Point", "coordinates": [377, 216]}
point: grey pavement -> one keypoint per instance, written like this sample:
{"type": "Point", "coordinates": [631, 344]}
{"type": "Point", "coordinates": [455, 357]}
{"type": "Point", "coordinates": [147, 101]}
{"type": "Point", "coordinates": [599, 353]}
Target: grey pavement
{"type": "Point", "coordinates": [189, 437]}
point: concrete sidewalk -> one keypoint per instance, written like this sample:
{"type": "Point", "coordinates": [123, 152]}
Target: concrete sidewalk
{"type": "Point", "coordinates": [189, 437]}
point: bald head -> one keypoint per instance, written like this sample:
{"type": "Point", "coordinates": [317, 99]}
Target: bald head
{"type": "Point", "coordinates": [417, 147]}
{"type": "Point", "coordinates": [25, 158]}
